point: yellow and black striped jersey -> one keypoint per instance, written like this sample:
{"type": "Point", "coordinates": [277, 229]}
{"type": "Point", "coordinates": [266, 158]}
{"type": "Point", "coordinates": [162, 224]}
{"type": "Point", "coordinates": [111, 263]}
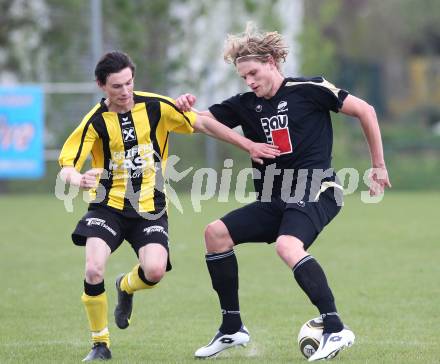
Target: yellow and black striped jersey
{"type": "Point", "coordinates": [132, 150]}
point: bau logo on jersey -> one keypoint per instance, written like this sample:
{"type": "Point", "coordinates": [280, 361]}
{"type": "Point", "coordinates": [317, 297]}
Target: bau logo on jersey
{"type": "Point", "coordinates": [276, 129]}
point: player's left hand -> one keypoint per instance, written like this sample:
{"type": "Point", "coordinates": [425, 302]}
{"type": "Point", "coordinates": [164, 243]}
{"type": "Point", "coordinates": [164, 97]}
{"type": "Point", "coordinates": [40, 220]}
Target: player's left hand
{"type": "Point", "coordinates": [379, 180]}
{"type": "Point", "coordinates": [258, 151]}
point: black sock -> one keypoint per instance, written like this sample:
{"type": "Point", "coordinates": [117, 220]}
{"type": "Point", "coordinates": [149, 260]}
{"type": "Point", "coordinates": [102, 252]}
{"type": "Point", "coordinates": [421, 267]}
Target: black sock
{"type": "Point", "coordinates": [94, 289]}
{"type": "Point", "coordinates": [223, 269]}
{"type": "Point", "coordinates": [332, 322]}
{"type": "Point", "coordinates": [311, 278]}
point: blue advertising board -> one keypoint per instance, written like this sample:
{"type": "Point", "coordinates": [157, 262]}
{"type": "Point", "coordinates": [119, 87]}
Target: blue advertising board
{"type": "Point", "coordinates": [21, 132]}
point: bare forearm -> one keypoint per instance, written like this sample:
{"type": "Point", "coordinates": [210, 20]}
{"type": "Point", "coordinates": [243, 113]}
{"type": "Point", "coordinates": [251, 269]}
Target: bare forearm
{"type": "Point", "coordinates": [370, 127]}
{"type": "Point", "coordinates": [71, 175]}
{"type": "Point", "coordinates": [219, 131]}
{"type": "Point", "coordinates": [86, 180]}
{"type": "Point", "coordinates": [360, 109]}
{"type": "Point", "coordinates": [257, 151]}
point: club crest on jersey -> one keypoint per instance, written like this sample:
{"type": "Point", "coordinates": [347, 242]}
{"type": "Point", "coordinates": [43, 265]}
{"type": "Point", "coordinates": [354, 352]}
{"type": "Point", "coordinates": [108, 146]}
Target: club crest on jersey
{"type": "Point", "coordinates": [276, 129]}
{"type": "Point", "coordinates": [129, 134]}
{"type": "Point", "coordinates": [258, 108]}
{"type": "Point", "coordinates": [282, 106]}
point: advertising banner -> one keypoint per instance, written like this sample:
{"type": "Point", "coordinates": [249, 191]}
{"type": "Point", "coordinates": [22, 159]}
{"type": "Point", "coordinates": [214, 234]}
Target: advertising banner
{"type": "Point", "coordinates": [21, 132]}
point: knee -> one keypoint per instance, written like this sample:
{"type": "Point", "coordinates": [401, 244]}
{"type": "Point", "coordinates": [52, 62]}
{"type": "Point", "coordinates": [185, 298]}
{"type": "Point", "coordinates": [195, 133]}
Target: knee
{"type": "Point", "coordinates": [154, 273]}
{"type": "Point", "coordinates": [282, 248]}
{"type": "Point", "coordinates": [290, 249]}
{"type": "Point", "coordinates": [94, 272]}
{"type": "Point", "coordinates": [212, 234]}
{"type": "Point", "coordinates": [217, 238]}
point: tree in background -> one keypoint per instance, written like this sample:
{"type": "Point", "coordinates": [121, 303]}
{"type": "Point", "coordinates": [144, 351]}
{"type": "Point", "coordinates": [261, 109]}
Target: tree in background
{"type": "Point", "coordinates": [385, 51]}
{"type": "Point", "coordinates": [22, 28]}
{"type": "Point", "coordinates": [142, 29]}
{"type": "Point", "coordinates": [318, 49]}
{"type": "Point", "coordinates": [195, 52]}
{"type": "Point", "coordinates": [376, 48]}
{"type": "Point", "coordinates": [389, 53]}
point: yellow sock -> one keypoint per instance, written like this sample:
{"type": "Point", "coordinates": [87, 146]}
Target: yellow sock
{"type": "Point", "coordinates": [132, 282]}
{"type": "Point", "coordinates": [97, 309]}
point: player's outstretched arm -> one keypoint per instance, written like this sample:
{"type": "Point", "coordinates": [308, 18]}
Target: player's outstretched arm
{"type": "Point", "coordinates": [207, 125]}
{"type": "Point", "coordinates": [86, 180]}
{"type": "Point", "coordinates": [366, 114]}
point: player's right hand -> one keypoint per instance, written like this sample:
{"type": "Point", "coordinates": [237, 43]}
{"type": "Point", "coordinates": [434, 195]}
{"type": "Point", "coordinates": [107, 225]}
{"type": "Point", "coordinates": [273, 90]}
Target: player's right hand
{"type": "Point", "coordinates": [90, 178]}
{"type": "Point", "coordinates": [185, 102]}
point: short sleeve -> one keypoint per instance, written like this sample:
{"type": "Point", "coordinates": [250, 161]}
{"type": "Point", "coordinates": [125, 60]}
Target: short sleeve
{"type": "Point", "coordinates": [177, 121]}
{"type": "Point", "coordinates": [227, 112]}
{"type": "Point", "coordinates": [78, 145]}
{"type": "Point", "coordinates": [323, 93]}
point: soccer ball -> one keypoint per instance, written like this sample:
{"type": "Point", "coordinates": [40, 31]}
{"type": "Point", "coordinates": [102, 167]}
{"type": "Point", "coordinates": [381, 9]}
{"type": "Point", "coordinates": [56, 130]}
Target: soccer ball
{"type": "Point", "coordinates": [310, 336]}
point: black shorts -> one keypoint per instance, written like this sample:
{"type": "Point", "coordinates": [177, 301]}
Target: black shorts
{"type": "Point", "coordinates": [114, 228]}
{"type": "Point", "coordinates": [265, 221]}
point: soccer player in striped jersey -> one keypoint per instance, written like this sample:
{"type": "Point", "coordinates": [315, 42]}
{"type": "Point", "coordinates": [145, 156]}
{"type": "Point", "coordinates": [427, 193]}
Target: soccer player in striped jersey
{"type": "Point", "coordinates": [126, 135]}
{"type": "Point", "coordinates": [298, 193]}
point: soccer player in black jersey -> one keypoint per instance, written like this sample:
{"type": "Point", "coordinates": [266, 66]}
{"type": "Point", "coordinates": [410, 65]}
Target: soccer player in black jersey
{"type": "Point", "coordinates": [126, 135]}
{"type": "Point", "coordinates": [298, 193]}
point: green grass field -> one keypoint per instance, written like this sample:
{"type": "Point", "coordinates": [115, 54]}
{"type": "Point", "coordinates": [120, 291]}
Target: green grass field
{"type": "Point", "coordinates": [382, 261]}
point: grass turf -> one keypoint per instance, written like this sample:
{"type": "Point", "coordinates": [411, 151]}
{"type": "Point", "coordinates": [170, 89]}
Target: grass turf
{"type": "Point", "coordinates": [381, 261]}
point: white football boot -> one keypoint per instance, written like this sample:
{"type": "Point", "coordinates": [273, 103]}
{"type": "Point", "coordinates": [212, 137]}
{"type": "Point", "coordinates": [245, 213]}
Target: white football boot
{"type": "Point", "coordinates": [222, 342]}
{"type": "Point", "coordinates": [333, 343]}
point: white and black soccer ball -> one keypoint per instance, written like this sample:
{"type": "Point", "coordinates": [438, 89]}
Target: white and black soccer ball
{"type": "Point", "coordinates": [310, 336]}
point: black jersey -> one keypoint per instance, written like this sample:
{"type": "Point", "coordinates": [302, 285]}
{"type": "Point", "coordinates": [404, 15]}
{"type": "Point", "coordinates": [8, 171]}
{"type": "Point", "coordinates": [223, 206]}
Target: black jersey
{"type": "Point", "coordinates": [296, 119]}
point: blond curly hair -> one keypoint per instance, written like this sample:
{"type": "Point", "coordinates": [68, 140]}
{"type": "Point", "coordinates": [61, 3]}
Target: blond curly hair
{"type": "Point", "coordinates": [253, 44]}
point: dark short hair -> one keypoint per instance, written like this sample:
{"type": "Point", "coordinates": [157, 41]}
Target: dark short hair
{"type": "Point", "coordinates": [112, 62]}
